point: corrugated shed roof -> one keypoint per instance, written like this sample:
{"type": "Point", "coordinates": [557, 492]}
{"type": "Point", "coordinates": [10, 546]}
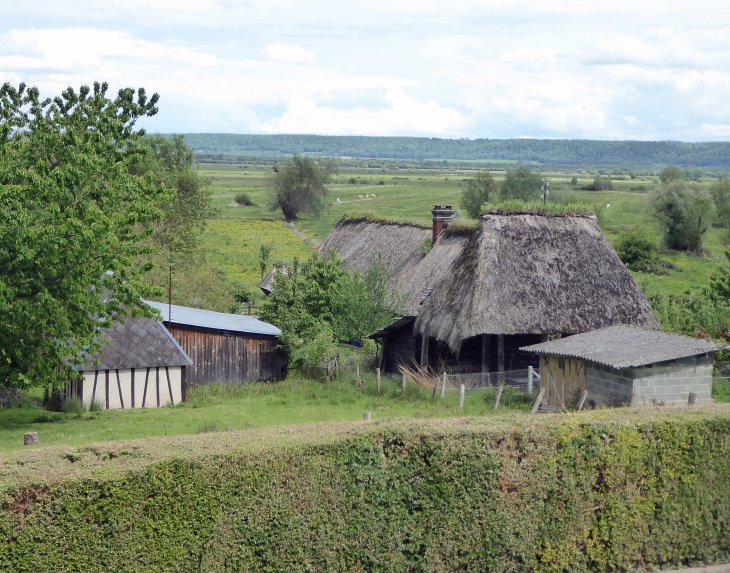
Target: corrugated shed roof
{"type": "Point", "coordinates": [395, 325]}
{"type": "Point", "coordinates": [625, 346]}
{"type": "Point", "coordinates": [216, 320]}
{"type": "Point", "coordinates": [137, 343]}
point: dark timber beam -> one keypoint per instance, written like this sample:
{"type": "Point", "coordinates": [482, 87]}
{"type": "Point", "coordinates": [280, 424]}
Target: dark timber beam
{"type": "Point", "coordinates": [500, 353]}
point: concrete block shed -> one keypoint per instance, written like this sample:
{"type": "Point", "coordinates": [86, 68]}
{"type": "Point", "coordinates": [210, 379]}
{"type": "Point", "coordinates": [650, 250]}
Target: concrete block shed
{"type": "Point", "coordinates": [142, 366]}
{"type": "Point", "coordinates": [618, 363]}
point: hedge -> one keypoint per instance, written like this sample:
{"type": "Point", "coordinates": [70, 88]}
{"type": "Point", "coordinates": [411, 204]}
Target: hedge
{"type": "Point", "coordinates": [572, 496]}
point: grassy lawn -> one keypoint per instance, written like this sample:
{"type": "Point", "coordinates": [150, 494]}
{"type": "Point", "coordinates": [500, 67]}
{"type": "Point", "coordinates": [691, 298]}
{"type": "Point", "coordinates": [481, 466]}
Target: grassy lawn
{"type": "Point", "coordinates": [226, 407]}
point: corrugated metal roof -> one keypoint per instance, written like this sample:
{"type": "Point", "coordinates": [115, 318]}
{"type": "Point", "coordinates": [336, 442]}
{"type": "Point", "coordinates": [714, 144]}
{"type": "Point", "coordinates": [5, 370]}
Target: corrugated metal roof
{"type": "Point", "coordinates": [625, 346]}
{"type": "Point", "coordinates": [216, 320]}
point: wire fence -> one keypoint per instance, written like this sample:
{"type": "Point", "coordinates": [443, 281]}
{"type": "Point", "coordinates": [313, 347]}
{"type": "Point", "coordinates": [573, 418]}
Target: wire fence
{"type": "Point", "coordinates": [524, 380]}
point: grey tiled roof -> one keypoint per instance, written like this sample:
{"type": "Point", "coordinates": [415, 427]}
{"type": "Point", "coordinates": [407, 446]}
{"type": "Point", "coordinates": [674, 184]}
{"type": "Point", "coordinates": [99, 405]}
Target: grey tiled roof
{"type": "Point", "coordinates": [625, 346]}
{"type": "Point", "coordinates": [217, 320]}
{"type": "Point", "coordinates": [137, 343]}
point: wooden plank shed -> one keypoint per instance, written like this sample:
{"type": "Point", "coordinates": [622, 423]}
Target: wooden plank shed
{"type": "Point", "coordinates": [626, 365]}
{"type": "Point", "coordinates": [142, 366]}
{"type": "Point", "coordinates": [229, 348]}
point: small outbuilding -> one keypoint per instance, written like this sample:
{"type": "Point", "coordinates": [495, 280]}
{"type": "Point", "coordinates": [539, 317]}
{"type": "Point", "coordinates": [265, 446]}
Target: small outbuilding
{"type": "Point", "coordinates": [622, 365]}
{"type": "Point", "coordinates": [231, 348]}
{"type": "Point", "coordinates": [142, 366]}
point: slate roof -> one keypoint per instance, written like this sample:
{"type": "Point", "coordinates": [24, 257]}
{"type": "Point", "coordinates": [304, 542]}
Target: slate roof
{"type": "Point", "coordinates": [137, 343]}
{"type": "Point", "coordinates": [216, 320]}
{"type": "Point", "coordinates": [625, 346]}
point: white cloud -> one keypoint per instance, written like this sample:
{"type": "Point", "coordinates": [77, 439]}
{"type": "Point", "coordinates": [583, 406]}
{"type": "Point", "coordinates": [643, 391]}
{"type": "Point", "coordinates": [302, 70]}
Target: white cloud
{"type": "Point", "coordinates": [404, 115]}
{"type": "Point", "coordinates": [294, 54]}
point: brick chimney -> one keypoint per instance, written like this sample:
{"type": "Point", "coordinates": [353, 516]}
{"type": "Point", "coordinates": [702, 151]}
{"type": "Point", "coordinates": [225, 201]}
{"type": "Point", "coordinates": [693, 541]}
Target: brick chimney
{"type": "Point", "coordinates": [441, 219]}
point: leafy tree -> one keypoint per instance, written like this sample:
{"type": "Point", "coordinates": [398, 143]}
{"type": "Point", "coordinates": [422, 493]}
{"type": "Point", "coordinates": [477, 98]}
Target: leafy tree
{"type": "Point", "coordinates": [670, 174]}
{"type": "Point", "coordinates": [264, 255]}
{"type": "Point", "coordinates": [170, 162]}
{"type": "Point", "coordinates": [522, 184]}
{"type": "Point", "coordinates": [637, 249]}
{"type": "Point", "coordinates": [478, 192]}
{"type": "Point", "coordinates": [602, 183]}
{"type": "Point", "coordinates": [72, 220]}
{"type": "Point", "coordinates": [720, 193]}
{"type": "Point", "coordinates": [299, 186]}
{"type": "Point", "coordinates": [323, 291]}
{"type": "Point", "coordinates": [685, 213]}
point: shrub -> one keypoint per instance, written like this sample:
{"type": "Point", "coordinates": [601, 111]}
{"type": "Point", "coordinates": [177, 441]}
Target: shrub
{"type": "Point", "coordinates": [576, 495]}
{"type": "Point", "coordinates": [574, 181]}
{"type": "Point", "coordinates": [685, 212]}
{"type": "Point", "coordinates": [638, 251]}
{"type": "Point", "coordinates": [244, 200]}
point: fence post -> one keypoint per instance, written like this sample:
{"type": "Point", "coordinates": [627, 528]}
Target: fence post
{"type": "Point", "coordinates": [499, 397]}
{"type": "Point", "coordinates": [536, 404]}
{"type": "Point", "coordinates": [582, 400]}
{"type": "Point", "coordinates": [357, 374]}
{"type": "Point", "coordinates": [529, 380]}
{"type": "Point", "coordinates": [691, 399]}
{"type": "Point", "coordinates": [403, 386]}
{"type": "Point", "coordinates": [367, 417]}
{"type": "Point", "coordinates": [443, 387]}
{"type": "Point", "coordinates": [377, 378]}
{"type": "Point", "coordinates": [462, 389]}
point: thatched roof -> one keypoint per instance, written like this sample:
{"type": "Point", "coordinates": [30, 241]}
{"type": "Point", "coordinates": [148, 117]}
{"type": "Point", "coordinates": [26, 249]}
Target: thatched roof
{"type": "Point", "coordinates": [522, 274]}
{"type": "Point", "coordinates": [359, 241]}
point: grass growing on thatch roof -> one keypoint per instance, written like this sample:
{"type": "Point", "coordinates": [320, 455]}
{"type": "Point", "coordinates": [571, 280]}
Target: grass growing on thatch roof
{"type": "Point", "coordinates": [515, 207]}
{"type": "Point", "coordinates": [371, 217]}
{"type": "Point", "coordinates": [460, 227]}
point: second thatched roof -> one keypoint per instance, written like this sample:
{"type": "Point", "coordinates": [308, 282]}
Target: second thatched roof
{"type": "Point", "coordinates": [526, 273]}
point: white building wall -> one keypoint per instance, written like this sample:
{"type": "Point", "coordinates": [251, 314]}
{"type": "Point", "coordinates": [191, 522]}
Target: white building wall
{"type": "Point", "coordinates": [127, 388]}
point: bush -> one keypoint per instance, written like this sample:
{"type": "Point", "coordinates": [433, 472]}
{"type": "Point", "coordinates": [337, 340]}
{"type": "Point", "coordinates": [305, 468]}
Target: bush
{"type": "Point", "coordinates": [571, 496]}
{"type": "Point", "coordinates": [574, 181]}
{"type": "Point", "coordinates": [244, 200]}
{"type": "Point", "coordinates": [479, 191]}
{"type": "Point", "coordinates": [522, 184]}
{"type": "Point", "coordinates": [638, 251]}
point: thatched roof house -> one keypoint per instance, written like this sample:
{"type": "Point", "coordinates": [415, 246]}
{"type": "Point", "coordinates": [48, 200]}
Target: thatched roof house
{"type": "Point", "coordinates": [533, 274]}
{"type": "Point", "coordinates": [482, 292]}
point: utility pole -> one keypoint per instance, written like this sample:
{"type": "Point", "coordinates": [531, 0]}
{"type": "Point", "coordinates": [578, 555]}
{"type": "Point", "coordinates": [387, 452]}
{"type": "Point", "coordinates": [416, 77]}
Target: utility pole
{"type": "Point", "coordinates": [544, 189]}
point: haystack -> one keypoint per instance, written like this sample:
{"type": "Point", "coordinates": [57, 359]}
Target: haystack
{"type": "Point", "coordinates": [533, 274]}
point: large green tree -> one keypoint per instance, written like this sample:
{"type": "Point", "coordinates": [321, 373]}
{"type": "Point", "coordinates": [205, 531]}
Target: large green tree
{"type": "Point", "coordinates": [300, 186]}
{"type": "Point", "coordinates": [73, 218]}
{"type": "Point", "coordinates": [522, 184]}
{"type": "Point", "coordinates": [685, 213]}
{"type": "Point", "coordinates": [170, 162]}
{"type": "Point", "coordinates": [479, 191]}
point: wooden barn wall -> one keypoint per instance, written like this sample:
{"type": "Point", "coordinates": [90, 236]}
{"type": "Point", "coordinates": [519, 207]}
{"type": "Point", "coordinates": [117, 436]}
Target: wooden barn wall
{"type": "Point", "coordinates": [221, 356]}
{"type": "Point", "coordinates": [563, 379]}
{"type": "Point", "coordinates": [404, 347]}
{"type": "Point", "coordinates": [400, 348]}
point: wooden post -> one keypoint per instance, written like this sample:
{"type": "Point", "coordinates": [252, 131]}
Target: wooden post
{"type": "Point", "coordinates": [403, 386]}
{"type": "Point", "coordinates": [691, 399]}
{"type": "Point", "coordinates": [529, 380]}
{"type": "Point", "coordinates": [582, 400]}
{"type": "Point", "coordinates": [443, 387]}
{"type": "Point", "coordinates": [499, 397]}
{"type": "Point", "coordinates": [366, 417]}
{"type": "Point", "coordinates": [377, 378]}
{"type": "Point", "coordinates": [424, 349]}
{"type": "Point", "coordinates": [485, 359]}
{"type": "Point", "coordinates": [435, 387]}
{"type": "Point", "coordinates": [462, 390]}
{"type": "Point", "coordinates": [536, 403]}
{"type": "Point", "coordinates": [632, 401]}
{"type": "Point", "coordinates": [30, 438]}
{"type": "Point", "coordinates": [357, 374]}
{"type": "Point", "coordinates": [500, 353]}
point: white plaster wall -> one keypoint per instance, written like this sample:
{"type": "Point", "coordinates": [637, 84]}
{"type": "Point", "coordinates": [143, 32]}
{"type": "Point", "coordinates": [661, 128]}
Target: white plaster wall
{"type": "Point", "coordinates": [141, 379]}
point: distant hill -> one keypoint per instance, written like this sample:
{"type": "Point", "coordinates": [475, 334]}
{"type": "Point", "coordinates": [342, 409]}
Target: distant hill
{"type": "Point", "coordinates": [557, 152]}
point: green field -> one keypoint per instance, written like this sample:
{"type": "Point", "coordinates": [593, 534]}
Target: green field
{"type": "Point", "coordinates": [226, 407]}
{"type": "Point", "coordinates": [410, 194]}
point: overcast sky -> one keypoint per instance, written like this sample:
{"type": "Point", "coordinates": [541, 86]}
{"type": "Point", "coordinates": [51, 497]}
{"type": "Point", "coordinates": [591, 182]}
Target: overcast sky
{"type": "Point", "coordinates": [618, 69]}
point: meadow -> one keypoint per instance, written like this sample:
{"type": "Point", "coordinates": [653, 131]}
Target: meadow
{"type": "Point", "coordinates": [410, 194]}
{"type": "Point", "coordinates": [217, 408]}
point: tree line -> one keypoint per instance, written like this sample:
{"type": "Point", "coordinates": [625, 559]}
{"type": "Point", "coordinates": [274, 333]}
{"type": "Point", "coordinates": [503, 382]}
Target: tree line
{"type": "Point", "coordinates": [568, 153]}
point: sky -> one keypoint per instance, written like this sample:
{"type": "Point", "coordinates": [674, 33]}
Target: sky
{"type": "Point", "coordinates": [562, 69]}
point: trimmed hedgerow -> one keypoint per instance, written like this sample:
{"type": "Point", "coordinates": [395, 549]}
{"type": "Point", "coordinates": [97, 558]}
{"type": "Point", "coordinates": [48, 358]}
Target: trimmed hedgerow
{"type": "Point", "coordinates": [568, 497]}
